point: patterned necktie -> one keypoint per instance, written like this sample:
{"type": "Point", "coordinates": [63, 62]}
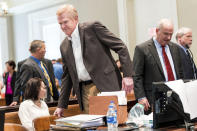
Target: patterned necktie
{"type": "Point", "coordinates": [192, 62]}
{"type": "Point", "coordinates": [47, 78]}
{"type": "Point", "coordinates": [167, 65]}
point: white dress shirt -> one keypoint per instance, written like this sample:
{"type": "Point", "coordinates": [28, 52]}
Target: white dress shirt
{"type": "Point", "coordinates": [28, 111]}
{"type": "Point", "coordinates": [167, 50]}
{"type": "Point", "coordinates": [82, 72]}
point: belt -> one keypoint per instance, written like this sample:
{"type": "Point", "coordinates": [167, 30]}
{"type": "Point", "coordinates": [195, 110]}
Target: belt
{"type": "Point", "coordinates": [86, 82]}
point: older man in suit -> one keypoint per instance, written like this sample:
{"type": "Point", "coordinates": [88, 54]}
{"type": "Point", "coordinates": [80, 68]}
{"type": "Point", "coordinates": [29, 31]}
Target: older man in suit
{"type": "Point", "coordinates": [184, 39]}
{"type": "Point", "coordinates": [156, 60]}
{"type": "Point", "coordinates": [87, 62]}
{"type": "Point", "coordinates": [36, 66]}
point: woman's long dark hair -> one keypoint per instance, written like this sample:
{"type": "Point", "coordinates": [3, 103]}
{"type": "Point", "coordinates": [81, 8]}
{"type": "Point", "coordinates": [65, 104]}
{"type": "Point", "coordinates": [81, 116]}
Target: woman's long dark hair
{"type": "Point", "coordinates": [32, 89]}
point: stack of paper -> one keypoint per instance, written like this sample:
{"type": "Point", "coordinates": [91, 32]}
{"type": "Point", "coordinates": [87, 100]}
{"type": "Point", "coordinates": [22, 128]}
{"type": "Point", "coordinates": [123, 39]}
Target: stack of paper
{"type": "Point", "coordinates": [187, 93]}
{"type": "Point", "coordinates": [122, 100]}
{"type": "Point", "coordinates": [81, 121]}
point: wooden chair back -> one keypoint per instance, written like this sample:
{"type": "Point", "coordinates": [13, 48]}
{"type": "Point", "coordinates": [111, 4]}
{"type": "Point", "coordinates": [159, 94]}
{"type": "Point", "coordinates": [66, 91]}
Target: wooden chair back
{"type": "Point", "coordinates": [98, 105]}
{"type": "Point", "coordinates": [12, 117]}
{"type": "Point", "coordinates": [71, 111]}
{"type": "Point", "coordinates": [14, 127]}
{"type": "Point", "coordinates": [43, 123]}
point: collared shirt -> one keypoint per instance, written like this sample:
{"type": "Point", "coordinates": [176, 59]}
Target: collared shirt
{"type": "Point", "coordinates": [28, 111]}
{"type": "Point", "coordinates": [185, 49]}
{"type": "Point", "coordinates": [159, 51]}
{"type": "Point", "coordinates": [37, 61]}
{"type": "Point", "coordinates": [82, 72]}
{"type": "Point", "coordinates": [58, 71]}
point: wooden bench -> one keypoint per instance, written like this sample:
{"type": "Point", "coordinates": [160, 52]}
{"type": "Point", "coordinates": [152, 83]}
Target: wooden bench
{"type": "Point", "coordinates": [12, 117]}
{"type": "Point", "coordinates": [2, 102]}
{"type": "Point", "coordinates": [72, 110]}
{"type": "Point", "coordinates": [14, 127]}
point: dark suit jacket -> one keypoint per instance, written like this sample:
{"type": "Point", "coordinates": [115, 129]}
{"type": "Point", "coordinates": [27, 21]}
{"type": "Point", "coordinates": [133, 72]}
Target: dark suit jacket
{"type": "Point", "coordinates": [148, 68]}
{"type": "Point", "coordinates": [20, 63]}
{"type": "Point", "coordinates": [12, 81]}
{"type": "Point", "coordinates": [188, 71]}
{"type": "Point", "coordinates": [96, 42]}
{"type": "Point", "coordinates": [30, 69]}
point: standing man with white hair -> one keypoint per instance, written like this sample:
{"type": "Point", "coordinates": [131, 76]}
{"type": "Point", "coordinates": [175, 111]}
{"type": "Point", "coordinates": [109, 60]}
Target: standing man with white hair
{"type": "Point", "coordinates": [155, 60]}
{"type": "Point", "coordinates": [184, 40]}
{"type": "Point", "coordinates": [88, 65]}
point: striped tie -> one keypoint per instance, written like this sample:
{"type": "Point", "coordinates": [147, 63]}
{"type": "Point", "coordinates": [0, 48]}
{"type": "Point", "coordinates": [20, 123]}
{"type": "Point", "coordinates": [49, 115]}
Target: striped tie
{"type": "Point", "coordinates": [47, 77]}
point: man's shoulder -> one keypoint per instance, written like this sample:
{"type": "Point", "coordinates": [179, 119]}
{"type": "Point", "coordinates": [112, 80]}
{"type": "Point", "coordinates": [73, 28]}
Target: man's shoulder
{"type": "Point", "coordinates": [47, 62]}
{"type": "Point", "coordinates": [21, 62]}
{"type": "Point", "coordinates": [175, 46]}
{"type": "Point", "coordinates": [27, 62]}
{"type": "Point", "coordinates": [145, 44]}
{"type": "Point", "coordinates": [89, 24]}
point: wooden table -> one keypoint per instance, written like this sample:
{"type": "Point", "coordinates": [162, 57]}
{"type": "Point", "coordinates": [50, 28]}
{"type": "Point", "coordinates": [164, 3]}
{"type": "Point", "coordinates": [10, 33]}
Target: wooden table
{"type": "Point", "coordinates": [104, 128]}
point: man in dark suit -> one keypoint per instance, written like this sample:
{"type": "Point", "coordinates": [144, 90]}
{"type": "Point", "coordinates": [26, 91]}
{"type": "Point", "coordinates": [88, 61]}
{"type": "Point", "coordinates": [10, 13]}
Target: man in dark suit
{"type": "Point", "coordinates": [87, 62]}
{"type": "Point", "coordinates": [20, 63]}
{"type": "Point", "coordinates": [184, 39]}
{"type": "Point", "coordinates": [155, 60]}
{"type": "Point", "coordinates": [36, 66]}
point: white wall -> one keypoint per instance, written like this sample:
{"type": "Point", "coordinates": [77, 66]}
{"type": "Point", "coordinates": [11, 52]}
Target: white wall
{"type": "Point", "coordinates": [148, 12]}
{"type": "Point", "coordinates": [187, 18]}
{"type": "Point", "coordinates": [4, 50]}
{"type": "Point", "coordinates": [101, 10]}
{"type": "Point", "coordinates": [20, 33]}
{"type": "Point", "coordinates": [29, 26]}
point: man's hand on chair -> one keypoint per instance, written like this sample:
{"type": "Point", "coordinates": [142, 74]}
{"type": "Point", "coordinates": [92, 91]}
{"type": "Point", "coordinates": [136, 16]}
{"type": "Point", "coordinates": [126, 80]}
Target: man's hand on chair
{"type": "Point", "coordinates": [59, 112]}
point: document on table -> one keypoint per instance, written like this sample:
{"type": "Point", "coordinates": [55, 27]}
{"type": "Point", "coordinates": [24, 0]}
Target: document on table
{"type": "Point", "coordinates": [187, 94]}
{"type": "Point", "coordinates": [191, 91]}
{"type": "Point", "coordinates": [81, 121]}
{"type": "Point", "coordinates": [122, 100]}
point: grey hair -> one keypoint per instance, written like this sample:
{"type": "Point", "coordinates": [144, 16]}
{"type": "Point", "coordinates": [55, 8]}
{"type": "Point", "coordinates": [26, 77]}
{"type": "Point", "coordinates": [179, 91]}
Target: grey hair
{"type": "Point", "coordinates": [182, 31]}
{"type": "Point", "coordinates": [69, 9]}
{"type": "Point", "coordinates": [35, 44]}
{"type": "Point", "coordinates": [163, 22]}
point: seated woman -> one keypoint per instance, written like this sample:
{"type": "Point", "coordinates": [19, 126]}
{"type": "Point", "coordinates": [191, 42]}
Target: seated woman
{"type": "Point", "coordinates": [33, 106]}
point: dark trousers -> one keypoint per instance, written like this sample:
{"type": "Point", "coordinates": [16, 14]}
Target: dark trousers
{"type": "Point", "coordinates": [8, 99]}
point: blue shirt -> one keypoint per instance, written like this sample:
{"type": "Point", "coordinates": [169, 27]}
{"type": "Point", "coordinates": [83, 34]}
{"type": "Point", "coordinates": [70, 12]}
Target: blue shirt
{"type": "Point", "coordinates": [37, 61]}
{"type": "Point", "coordinates": [167, 50]}
{"type": "Point", "coordinates": [58, 71]}
{"type": "Point", "coordinates": [39, 64]}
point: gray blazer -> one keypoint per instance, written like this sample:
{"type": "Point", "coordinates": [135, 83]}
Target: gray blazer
{"type": "Point", "coordinates": [148, 68]}
{"type": "Point", "coordinates": [96, 42]}
{"type": "Point", "coordinates": [30, 69]}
